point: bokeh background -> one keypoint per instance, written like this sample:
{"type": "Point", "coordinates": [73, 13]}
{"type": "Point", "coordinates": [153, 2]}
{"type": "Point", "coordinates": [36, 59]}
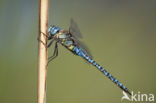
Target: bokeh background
{"type": "Point", "coordinates": [121, 35]}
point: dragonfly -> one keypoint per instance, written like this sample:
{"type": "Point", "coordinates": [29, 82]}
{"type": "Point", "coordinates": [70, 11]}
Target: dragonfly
{"type": "Point", "coordinates": [70, 40]}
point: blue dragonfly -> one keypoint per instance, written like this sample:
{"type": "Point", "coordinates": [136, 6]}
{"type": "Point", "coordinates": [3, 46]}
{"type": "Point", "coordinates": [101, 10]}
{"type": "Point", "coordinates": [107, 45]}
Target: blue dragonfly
{"type": "Point", "coordinates": [70, 40]}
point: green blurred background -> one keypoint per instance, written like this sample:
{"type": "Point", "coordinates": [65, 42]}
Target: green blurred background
{"type": "Point", "coordinates": [121, 35]}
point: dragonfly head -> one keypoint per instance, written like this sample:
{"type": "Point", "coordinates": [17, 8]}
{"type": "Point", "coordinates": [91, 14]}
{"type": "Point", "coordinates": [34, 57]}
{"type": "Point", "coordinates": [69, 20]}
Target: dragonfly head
{"type": "Point", "coordinates": [53, 30]}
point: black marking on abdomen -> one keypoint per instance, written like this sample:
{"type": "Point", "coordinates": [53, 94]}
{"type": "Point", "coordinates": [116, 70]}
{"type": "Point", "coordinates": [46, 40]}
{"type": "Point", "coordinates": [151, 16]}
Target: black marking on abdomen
{"type": "Point", "coordinates": [79, 52]}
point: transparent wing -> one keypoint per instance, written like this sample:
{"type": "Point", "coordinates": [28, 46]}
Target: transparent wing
{"type": "Point", "coordinates": [74, 29]}
{"type": "Point", "coordinates": [76, 34]}
{"type": "Point", "coordinates": [84, 47]}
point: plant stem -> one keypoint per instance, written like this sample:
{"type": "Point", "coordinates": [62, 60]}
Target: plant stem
{"type": "Point", "coordinates": [42, 50]}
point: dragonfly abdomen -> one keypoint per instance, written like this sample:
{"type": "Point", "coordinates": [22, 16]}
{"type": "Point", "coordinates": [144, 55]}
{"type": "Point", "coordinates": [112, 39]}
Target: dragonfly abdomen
{"type": "Point", "coordinates": [80, 52]}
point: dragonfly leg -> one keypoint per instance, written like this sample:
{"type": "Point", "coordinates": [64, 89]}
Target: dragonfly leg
{"type": "Point", "coordinates": [48, 39]}
{"type": "Point", "coordinates": [45, 44]}
{"type": "Point", "coordinates": [51, 42]}
{"type": "Point", "coordinates": [44, 34]}
{"type": "Point", "coordinates": [47, 36]}
{"type": "Point", "coordinates": [42, 42]}
{"type": "Point", "coordinates": [55, 54]}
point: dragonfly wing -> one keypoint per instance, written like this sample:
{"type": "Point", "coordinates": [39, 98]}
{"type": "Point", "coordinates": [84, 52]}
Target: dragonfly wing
{"type": "Point", "coordinates": [83, 47]}
{"type": "Point", "coordinates": [76, 34]}
{"type": "Point", "coordinates": [74, 29]}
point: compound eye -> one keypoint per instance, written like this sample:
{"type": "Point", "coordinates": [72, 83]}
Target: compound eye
{"type": "Point", "coordinates": [49, 29]}
{"type": "Point", "coordinates": [53, 30]}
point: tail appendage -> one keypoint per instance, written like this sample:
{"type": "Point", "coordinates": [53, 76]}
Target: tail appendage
{"type": "Point", "coordinates": [79, 52]}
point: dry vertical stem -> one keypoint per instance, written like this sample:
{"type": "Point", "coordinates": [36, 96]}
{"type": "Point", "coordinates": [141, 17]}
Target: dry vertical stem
{"type": "Point", "coordinates": [42, 50]}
